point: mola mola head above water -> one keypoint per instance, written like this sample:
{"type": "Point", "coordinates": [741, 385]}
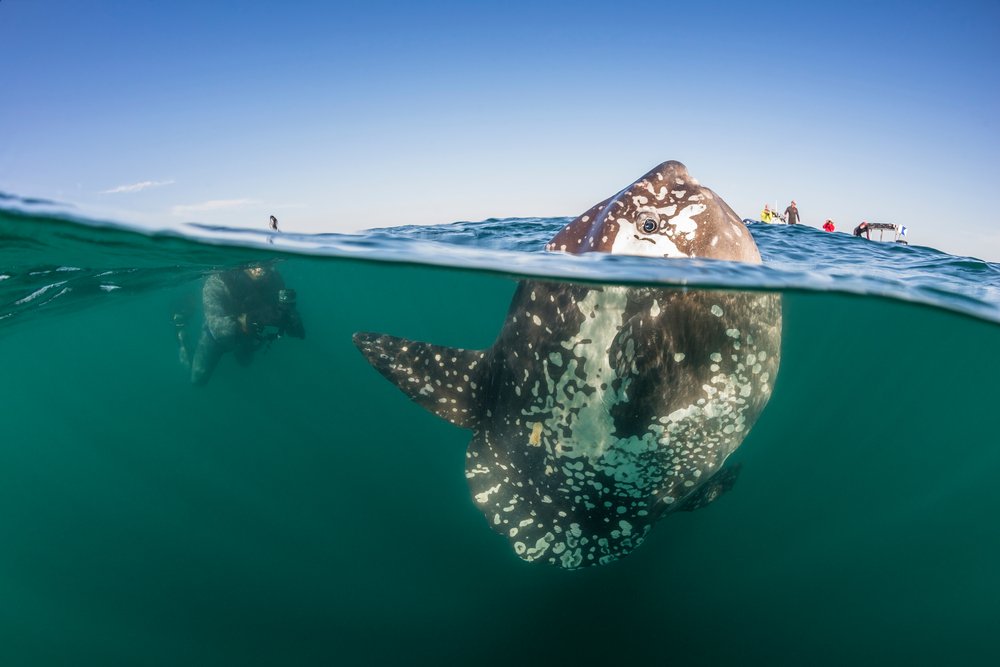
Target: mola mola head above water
{"type": "Point", "coordinates": [666, 213]}
{"type": "Point", "coordinates": [602, 408]}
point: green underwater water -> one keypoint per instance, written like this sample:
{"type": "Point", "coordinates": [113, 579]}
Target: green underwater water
{"type": "Point", "coordinates": [302, 511]}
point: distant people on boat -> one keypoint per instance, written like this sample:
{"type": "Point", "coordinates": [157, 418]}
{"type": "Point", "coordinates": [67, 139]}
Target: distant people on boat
{"type": "Point", "coordinates": [792, 214]}
{"type": "Point", "coordinates": [767, 215]}
{"type": "Point", "coordinates": [828, 225]}
{"type": "Point", "coordinates": [245, 310]}
{"type": "Point", "coordinates": [862, 229]}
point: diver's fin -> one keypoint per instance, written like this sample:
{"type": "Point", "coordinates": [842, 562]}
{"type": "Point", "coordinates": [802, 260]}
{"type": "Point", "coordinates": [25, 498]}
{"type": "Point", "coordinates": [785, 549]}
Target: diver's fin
{"type": "Point", "coordinates": [443, 380]}
{"type": "Point", "coordinates": [717, 484]}
{"type": "Point", "coordinates": [180, 321]}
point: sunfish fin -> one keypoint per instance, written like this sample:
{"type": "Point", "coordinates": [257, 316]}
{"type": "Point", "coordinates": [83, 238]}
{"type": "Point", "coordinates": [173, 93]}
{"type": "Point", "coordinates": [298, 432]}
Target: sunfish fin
{"type": "Point", "coordinates": [443, 380]}
{"type": "Point", "coordinates": [715, 486]}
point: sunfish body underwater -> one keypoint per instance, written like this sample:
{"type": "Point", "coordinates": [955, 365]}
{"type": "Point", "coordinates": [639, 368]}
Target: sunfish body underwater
{"type": "Point", "coordinates": [599, 410]}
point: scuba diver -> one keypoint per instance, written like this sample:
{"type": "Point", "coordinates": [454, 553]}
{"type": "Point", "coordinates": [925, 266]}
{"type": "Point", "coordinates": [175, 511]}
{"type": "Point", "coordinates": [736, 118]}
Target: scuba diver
{"type": "Point", "coordinates": [862, 229]}
{"type": "Point", "coordinates": [245, 309]}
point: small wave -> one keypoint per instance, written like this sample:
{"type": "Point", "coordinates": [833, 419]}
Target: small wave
{"type": "Point", "coordinates": [39, 292]}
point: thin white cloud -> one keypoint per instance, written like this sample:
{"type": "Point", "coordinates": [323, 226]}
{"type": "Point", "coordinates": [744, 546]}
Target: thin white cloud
{"type": "Point", "coordinates": [212, 205]}
{"type": "Point", "coordinates": [135, 187]}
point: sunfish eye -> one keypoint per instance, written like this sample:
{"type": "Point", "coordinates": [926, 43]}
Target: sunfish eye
{"type": "Point", "coordinates": [648, 225]}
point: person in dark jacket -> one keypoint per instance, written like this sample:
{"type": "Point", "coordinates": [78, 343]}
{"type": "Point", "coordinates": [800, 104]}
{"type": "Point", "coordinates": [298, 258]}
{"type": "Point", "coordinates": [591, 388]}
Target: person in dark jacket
{"type": "Point", "coordinates": [792, 214]}
{"type": "Point", "coordinates": [245, 309]}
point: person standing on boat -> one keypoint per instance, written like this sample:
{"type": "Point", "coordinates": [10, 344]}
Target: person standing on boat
{"type": "Point", "coordinates": [766, 215]}
{"type": "Point", "coordinates": [273, 224]}
{"type": "Point", "coordinates": [792, 214]}
{"type": "Point", "coordinates": [863, 229]}
{"type": "Point", "coordinates": [828, 225]}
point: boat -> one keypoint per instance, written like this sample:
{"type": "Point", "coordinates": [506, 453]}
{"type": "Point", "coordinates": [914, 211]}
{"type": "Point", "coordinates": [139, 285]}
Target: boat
{"type": "Point", "coordinates": [898, 231]}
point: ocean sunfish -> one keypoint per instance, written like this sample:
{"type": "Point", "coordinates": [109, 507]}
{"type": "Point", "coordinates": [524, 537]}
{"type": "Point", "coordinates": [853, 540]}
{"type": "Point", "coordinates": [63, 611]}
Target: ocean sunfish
{"type": "Point", "coordinates": [600, 409]}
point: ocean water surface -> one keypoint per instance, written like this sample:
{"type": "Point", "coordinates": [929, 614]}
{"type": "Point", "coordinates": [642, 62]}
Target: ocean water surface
{"type": "Point", "coordinates": [301, 510]}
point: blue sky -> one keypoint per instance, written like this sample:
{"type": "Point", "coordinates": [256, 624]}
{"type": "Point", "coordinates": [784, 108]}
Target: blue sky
{"type": "Point", "coordinates": [344, 116]}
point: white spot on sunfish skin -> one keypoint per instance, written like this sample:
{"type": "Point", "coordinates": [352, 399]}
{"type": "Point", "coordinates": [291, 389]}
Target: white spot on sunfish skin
{"type": "Point", "coordinates": [535, 439]}
{"type": "Point", "coordinates": [679, 357]}
{"type": "Point", "coordinates": [484, 497]}
{"type": "Point", "coordinates": [658, 211]}
{"type": "Point", "coordinates": [717, 310]}
{"type": "Point", "coordinates": [627, 242]}
{"type": "Point", "coordinates": [660, 194]}
{"type": "Point", "coordinates": [684, 221]}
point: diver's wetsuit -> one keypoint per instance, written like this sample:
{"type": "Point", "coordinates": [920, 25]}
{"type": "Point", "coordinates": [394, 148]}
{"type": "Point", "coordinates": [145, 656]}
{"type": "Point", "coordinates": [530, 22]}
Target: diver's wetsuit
{"type": "Point", "coordinates": [863, 230]}
{"type": "Point", "coordinates": [228, 296]}
{"type": "Point", "coordinates": [792, 215]}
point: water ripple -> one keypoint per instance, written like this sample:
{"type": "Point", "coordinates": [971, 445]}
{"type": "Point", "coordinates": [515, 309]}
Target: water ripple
{"type": "Point", "coordinates": [795, 258]}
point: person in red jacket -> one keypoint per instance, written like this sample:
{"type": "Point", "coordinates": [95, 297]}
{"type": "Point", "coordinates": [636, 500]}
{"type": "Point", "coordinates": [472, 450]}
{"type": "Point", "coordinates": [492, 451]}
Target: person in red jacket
{"type": "Point", "coordinates": [828, 225]}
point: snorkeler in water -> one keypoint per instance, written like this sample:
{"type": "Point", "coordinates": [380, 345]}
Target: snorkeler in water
{"type": "Point", "coordinates": [245, 310]}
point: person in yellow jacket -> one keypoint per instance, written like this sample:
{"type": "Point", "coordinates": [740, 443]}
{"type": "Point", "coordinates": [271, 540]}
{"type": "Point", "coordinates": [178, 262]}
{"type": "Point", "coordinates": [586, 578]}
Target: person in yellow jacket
{"type": "Point", "coordinates": [767, 215]}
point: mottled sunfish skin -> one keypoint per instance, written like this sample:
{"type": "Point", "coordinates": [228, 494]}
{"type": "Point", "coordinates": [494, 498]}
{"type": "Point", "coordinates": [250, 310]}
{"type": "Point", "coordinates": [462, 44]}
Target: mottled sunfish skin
{"type": "Point", "coordinates": [666, 213]}
{"type": "Point", "coordinates": [599, 410]}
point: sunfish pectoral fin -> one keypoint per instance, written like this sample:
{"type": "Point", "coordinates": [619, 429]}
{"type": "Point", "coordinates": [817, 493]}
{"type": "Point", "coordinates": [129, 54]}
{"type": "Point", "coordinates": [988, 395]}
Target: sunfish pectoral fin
{"type": "Point", "coordinates": [443, 380]}
{"type": "Point", "coordinates": [717, 484]}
